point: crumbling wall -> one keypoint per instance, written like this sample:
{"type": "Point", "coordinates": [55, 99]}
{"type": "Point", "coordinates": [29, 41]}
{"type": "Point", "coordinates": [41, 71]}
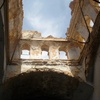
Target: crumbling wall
{"type": "Point", "coordinates": [32, 41]}
{"type": "Point", "coordinates": [82, 29]}
{"type": "Point", "coordinates": [83, 12]}
{"type": "Point", "coordinates": [15, 17]}
{"type": "Point", "coordinates": [35, 45]}
{"type": "Point", "coordinates": [56, 66]}
{"type": "Point", "coordinates": [77, 36]}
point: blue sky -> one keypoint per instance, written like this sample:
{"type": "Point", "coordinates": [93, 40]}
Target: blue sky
{"type": "Point", "coordinates": [50, 17]}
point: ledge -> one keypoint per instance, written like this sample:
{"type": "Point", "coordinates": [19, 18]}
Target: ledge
{"type": "Point", "coordinates": [46, 62]}
{"type": "Point", "coordinates": [46, 39]}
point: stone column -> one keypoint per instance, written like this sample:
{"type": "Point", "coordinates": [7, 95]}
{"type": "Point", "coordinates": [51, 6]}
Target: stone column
{"type": "Point", "coordinates": [35, 52]}
{"type": "Point", "coordinates": [53, 52]}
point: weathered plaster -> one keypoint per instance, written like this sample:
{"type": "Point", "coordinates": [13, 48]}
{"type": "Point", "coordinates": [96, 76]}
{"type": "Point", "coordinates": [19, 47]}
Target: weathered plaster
{"type": "Point", "coordinates": [33, 42]}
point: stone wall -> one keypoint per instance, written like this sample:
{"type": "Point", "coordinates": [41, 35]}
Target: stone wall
{"type": "Point", "coordinates": [52, 45]}
{"type": "Point", "coordinates": [32, 41]}
{"type": "Point", "coordinates": [84, 29]}
{"type": "Point", "coordinates": [35, 45]}
{"type": "Point", "coordinates": [81, 9]}
{"type": "Point", "coordinates": [15, 16]}
{"type": "Point", "coordinates": [76, 45]}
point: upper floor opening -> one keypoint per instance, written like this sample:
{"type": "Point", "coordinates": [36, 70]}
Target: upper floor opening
{"type": "Point", "coordinates": [49, 17]}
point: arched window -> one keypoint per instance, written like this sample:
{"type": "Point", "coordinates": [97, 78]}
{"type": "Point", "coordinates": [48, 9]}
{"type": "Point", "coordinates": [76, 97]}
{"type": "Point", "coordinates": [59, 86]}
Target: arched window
{"type": "Point", "coordinates": [62, 55]}
{"type": "Point", "coordinates": [25, 54]}
{"type": "Point", "coordinates": [74, 53]}
{"type": "Point", "coordinates": [45, 54]}
{"type": "Point", "coordinates": [25, 51]}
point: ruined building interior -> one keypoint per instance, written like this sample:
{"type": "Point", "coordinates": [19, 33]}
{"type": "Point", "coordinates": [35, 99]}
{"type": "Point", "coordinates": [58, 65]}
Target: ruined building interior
{"type": "Point", "coordinates": [74, 77]}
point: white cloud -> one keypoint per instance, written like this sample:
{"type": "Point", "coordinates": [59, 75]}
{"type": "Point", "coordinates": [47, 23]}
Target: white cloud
{"type": "Point", "coordinates": [50, 21]}
{"type": "Point", "coordinates": [47, 27]}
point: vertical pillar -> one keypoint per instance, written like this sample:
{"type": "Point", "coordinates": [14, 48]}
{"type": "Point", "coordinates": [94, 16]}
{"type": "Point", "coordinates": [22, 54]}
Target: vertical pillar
{"type": "Point", "coordinates": [35, 52]}
{"type": "Point", "coordinates": [53, 52]}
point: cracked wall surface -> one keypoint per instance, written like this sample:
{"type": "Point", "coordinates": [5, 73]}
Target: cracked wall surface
{"type": "Point", "coordinates": [15, 17]}
{"type": "Point", "coordinates": [35, 43]}
{"type": "Point", "coordinates": [78, 46]}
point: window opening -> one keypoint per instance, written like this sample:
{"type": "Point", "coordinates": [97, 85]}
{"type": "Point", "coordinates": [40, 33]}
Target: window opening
{"type": "Point", "coordinates": [74, 53]}
{"type": "Point", "coordinates": [91, 23]}
{"type": "Point", "coordinates": [45, 55]}
{"type": "Point", "coordinates": [25, 54]}
{"type": "Point", "coordinates": [25, 51]}
{"type": "Point", "coordinates": [63, 55]}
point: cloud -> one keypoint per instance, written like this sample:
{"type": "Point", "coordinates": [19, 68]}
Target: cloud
{"type": "Point", "coordinates": [50, 17]}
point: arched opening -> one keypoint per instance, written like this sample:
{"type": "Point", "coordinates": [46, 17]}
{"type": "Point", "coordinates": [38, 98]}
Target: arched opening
{"type": "Point", "coordinates": [25, 54]}
{"type": "Point", "coordinates": [74, 53]}
{"type": "Point", "coordinates": [25, 51]}
{"type": "Point", "coordinates": [45, 54]}
{"type": "Point", "coordinates": [62, 55]}
{"type": "Point", "coordinates": [40, 85]}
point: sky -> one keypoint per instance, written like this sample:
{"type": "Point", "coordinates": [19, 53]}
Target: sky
{"type": "Point", "coordinates": [50, 17]}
